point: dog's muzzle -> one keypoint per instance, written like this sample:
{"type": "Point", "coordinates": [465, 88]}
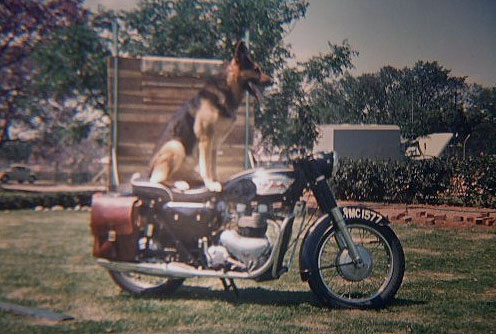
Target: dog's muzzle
{"type": "Point", "coordinates": [256, 89]}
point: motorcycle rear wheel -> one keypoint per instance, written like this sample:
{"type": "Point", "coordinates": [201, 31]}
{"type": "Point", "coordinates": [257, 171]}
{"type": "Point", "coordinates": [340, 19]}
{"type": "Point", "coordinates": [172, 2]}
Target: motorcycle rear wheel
{"type": "Point", "coordinates": [338, 283]}
{"type": "Point", "coordinates": [144, 285]}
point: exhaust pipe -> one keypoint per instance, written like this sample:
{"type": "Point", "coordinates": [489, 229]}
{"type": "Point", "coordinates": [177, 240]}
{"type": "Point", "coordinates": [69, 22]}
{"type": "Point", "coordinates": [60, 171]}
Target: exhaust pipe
{"type": "Point", "coordinates": [174, 269]}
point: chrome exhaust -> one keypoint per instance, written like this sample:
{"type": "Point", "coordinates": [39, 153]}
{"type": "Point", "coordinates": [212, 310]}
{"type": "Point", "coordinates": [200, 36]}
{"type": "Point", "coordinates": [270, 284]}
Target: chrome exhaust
{"type": "Point", "coordinates": [174, 269]}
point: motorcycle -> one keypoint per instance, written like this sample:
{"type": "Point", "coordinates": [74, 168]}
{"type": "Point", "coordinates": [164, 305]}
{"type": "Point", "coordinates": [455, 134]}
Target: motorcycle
{"type": "Point", "coordinates": [154, 238]}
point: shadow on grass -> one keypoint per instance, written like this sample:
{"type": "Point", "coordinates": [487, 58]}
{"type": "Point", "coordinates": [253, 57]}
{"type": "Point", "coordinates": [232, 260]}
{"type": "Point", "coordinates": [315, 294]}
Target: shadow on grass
{"type": "Point", "coordinates": [259, 296]}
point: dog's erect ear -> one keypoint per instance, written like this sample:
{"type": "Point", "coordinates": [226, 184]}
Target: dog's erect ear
{"type": "Point", "coordinates": [240, 52]}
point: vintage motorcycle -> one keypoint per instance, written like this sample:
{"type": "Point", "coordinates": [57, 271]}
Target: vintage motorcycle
{"type": "Point", "coordinates": [154, 238]}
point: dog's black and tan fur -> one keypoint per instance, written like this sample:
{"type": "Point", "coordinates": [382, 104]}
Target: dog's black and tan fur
{"type": "Point", "coordinates": [201, 125]}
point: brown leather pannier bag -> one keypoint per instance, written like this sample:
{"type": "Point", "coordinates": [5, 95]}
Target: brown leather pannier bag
{"type": "Point", "coordinates": [115, 226]}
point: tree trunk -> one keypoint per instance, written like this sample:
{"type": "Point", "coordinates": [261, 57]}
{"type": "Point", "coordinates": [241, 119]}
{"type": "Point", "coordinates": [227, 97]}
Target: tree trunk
{"type": "Point", "coordinates": [4, 133]}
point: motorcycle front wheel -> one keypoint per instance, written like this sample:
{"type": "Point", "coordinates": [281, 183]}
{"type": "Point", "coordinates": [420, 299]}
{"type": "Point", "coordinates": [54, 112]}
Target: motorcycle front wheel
{"type": "Point", "coordinates": [144, 285]}
{"type": "Point", "coordinates": [338, 282]}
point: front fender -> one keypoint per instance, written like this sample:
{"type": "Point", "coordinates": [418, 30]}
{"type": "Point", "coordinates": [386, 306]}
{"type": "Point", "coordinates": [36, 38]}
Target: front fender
{"type": "Point", "coordinates": [314, 234]}
{"type": "Point", "coordinates": [309, 244]}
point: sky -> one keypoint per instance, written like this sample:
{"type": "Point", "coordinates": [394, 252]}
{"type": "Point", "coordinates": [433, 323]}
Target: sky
{"type": "Point", "coordinates": [459, 34]}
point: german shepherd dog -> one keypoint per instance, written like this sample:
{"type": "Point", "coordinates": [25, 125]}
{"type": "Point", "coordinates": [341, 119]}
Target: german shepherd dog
{"type": "Point", "coordinates": [195, 132]}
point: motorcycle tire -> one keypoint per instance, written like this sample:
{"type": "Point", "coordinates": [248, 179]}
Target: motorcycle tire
{"type": "Point", "coordinates": [337, 282]}
{"type": "Point", "coordinates": [138, 287]}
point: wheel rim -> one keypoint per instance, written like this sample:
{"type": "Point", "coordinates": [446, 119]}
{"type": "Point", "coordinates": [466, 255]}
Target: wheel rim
{"type": "Point", "coordinates": [348, 284]}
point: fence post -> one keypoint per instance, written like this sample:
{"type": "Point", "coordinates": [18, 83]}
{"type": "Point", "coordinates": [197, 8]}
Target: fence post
{"type": "Point", "coordinates": [115, 51]}
{"type": "Point", "coordinates": [247, 115]}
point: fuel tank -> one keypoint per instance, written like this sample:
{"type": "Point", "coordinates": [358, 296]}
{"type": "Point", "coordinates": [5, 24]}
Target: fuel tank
{"type": "Point", "coordinates": [266, 183]}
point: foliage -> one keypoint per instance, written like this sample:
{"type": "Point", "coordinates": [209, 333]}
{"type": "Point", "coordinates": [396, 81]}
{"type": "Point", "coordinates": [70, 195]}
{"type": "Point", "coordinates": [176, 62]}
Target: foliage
{"type": "Point", "coordinates": [64, 97]}
{"type": "Point", "coordinates": [421, 100]}
{"type": "Point", "coordinates": [480, 111]}
{"type": "Point", "coordinates": [470, 182]}
{"type": "Point", "coordinates": [25, 24]}
{"type": "Point", "coordinates": [207, 29]}
{"type": "Point", "coordinates": [166, 28]}
{"type": "Point", "coordinates": [290, 118]}
{"type": "Point", "coordinates": [67, 97]}
{"type": "Point", "coordinates": [15, 151]}
{"type": "Point", "coordinates": [71, 65]}
{"type": "Point", "coordinates": [16, 201]}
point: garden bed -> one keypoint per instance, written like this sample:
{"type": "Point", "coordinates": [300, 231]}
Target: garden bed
{"type": "Point", "coordinates": [433, 215]}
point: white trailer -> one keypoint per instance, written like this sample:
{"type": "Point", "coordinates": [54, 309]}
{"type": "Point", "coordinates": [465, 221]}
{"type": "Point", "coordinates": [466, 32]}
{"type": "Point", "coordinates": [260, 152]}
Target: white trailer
{"type": "Point", "coordinates": [379, 142]}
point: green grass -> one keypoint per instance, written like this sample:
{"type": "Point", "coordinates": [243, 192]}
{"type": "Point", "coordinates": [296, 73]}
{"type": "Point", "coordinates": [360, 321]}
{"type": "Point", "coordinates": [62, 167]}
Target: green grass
{"type": "Point", "coordinates": [45, 262]}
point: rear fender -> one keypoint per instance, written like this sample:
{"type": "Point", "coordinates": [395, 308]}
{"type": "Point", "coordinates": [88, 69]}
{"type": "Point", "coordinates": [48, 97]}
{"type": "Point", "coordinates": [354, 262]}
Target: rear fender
{"type": "Point", "coordinates": [314, 234]}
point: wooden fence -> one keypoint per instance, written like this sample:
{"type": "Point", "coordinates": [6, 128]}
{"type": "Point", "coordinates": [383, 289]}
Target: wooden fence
{"type": "Point", "coordinates": [150, 90]}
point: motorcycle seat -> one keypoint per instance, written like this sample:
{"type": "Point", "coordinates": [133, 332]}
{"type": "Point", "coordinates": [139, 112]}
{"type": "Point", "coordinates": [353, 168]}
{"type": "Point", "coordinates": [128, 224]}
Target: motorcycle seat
{"type": "Point", "coordinates": [145, 189]}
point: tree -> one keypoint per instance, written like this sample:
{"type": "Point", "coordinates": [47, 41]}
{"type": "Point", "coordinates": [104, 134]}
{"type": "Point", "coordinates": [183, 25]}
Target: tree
{"type": "Point", "coordinates": [421, 100]}
{"type": "Point", "coordinates": [209, 29]}
{"type": "Point", "coordinates": [480, 116]}
{"type": "Point", "coordinates": [25, 24]}
{"type": "Point", "coordinates": [71, 65]}
{"type": "Point", "coordinates": [435, 105]}
{"type": "Point", "coordinates": [62, 98]}
{"type": "Point", "coordinates": [294, 108]}
{"type": "Point", "coordinates": [68, 89]}
{"type": "Point", "coordinates": [268, 22]}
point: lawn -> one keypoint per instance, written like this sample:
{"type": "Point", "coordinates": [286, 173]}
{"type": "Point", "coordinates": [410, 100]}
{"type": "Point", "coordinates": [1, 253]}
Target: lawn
{"type": "Point", "coordinates": [45, 262]}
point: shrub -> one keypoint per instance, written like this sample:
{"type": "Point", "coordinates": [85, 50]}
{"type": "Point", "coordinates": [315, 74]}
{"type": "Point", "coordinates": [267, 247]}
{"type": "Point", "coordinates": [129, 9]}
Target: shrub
{"type": "Point", "coordinates": [17, 200]}
{"type": "Point", "coordinates": [470, 182]}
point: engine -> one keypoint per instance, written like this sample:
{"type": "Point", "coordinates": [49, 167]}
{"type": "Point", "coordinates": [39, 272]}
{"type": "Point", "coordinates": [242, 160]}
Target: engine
{"type": "Point", "coordinates": [247, 247]}
{"type": "Point", "coordinates": [229, 230]}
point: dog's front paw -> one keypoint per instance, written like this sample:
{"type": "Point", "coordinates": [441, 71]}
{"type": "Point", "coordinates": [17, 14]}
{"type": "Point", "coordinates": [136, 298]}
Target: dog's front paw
{"type": "Point", "coordinates": [181, 185]}
{"type": "Point", "coordinates": [213, 186]}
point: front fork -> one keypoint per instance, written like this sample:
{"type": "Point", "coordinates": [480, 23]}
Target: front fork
{"type": "Point", "coordinates": [327, 202]}
{"type": "Point", "coordinates": [343, 237]}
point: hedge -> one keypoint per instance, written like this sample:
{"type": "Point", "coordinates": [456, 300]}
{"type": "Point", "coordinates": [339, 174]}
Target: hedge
{"type": "Point", "coordinates": [470, 182]}
{"type": "Point", "coordinates": [17, 200]}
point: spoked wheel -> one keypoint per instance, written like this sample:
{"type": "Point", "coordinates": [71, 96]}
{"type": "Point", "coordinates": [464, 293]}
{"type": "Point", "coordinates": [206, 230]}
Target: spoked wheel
{"type": "Point", "coordinates": [145, 285]}
{"type": "Point", "coordinates": [339, 282]}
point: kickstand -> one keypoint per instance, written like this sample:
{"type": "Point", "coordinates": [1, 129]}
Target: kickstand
{"type": "Point", "coordinates": [231, 286]}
